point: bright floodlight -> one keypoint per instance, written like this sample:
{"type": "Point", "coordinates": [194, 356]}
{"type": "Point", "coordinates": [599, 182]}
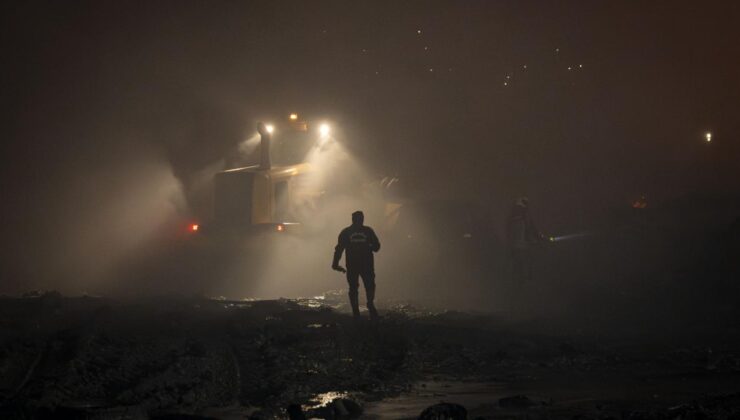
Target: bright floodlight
{"type": "Point", "coordinates": [324, 130]}
{"type": "Point", "coordinates": [293, 117]}
{"type": "Point", "coordinates": [708, 137]}
{"type": "Point", "coordinates": [270, 128]}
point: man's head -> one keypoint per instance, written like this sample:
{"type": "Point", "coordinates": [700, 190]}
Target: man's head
{"type": "Point", "coordinates": [522, 202]}
{"type": "Point", "coordinates": [358, 218]}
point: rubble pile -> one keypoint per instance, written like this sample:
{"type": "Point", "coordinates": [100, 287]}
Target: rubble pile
{"type": "Point", "coordinates": [171, 357]}
{"type": "Point", "coordinates": [180, 355]}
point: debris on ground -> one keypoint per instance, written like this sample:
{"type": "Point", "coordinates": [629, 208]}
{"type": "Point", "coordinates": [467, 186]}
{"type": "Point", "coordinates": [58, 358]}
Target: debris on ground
{"type": "Point", "coordinates": [167, 357]}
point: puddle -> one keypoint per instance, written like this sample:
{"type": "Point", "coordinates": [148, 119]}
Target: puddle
{"type": "Point", "coordinates": [424, 394]}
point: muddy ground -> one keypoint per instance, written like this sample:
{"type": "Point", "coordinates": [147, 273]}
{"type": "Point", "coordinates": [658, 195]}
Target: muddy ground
{"type": "Point", "coordinates": [92, 357]}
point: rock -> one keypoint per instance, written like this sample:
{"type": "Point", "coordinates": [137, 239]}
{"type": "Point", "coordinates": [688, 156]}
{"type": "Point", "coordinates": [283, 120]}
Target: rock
{"type": "Point", "coordinates": [444, 411]}
{"type": "Point", "coordinates": [295, 412]}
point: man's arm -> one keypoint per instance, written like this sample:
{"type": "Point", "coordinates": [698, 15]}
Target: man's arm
{"type": "Point", "coordinates": [338, 250]}
{"type": "Point", "coordinates": [374, 241]}
{"type": "Point", "coordinates": [534, 234]}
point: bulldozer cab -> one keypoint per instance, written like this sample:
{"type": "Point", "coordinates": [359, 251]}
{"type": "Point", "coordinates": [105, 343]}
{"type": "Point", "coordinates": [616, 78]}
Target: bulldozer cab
{"type": "Point", "coordinates": [252, 196]}
{"type": "Point", "coordinates": [264, 195]}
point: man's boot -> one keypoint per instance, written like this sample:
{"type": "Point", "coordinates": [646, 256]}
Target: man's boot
{"type": "Point", "coordinates": [370, 291]}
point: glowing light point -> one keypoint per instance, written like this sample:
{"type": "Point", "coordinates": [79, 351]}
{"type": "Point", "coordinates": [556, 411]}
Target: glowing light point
{"type": "Point", "coordinates": [280, 228]}
{"type": "Point", "coordinates": [293, 117]}
{"type": "Point", "coordinates": [418, 31]}
{"type": "Point", "coordinates": [194, 227]}
{"type": "Point", "coordinates": [270, 128]}
{"type": "Point", "coordinates": [580, 66]}
{"type": "Point", "coordinates": [708, 137]}
{"type": "Point", "coordinates": [324, 130]}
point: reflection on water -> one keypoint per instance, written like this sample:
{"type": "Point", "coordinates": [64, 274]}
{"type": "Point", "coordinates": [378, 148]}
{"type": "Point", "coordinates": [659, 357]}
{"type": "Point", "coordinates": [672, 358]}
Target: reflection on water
{"type": "Point", "coordinates": [322, 400]}
{"type": "Point", "coordinates": [425, 394]}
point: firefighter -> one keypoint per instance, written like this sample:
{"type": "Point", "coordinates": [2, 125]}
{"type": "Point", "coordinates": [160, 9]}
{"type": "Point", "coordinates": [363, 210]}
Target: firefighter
{"type": "Point", "coordinates": [521, 234]}
{"type": "Point", "coordinates": [359, 242]}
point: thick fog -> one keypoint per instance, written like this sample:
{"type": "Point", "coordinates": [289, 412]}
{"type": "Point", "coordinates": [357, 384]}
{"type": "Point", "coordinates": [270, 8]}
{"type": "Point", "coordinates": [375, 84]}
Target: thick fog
{"type": "Point", "coordinates": [122, 113]}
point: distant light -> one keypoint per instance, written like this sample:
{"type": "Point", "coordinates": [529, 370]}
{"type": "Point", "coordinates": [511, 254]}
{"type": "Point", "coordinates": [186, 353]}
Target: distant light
{"type": "Point", "coordinates": [324, 130]}
{"type": "Point", "coordinates": [194, 227]}
{"type": "Point", "coordinates": [280, 228]}
{"type": "Point", "coordinates": [570, 68]}
{"type": "Point", "coordinates": [293, 117]}
{"type": "Point", "coordinates": [270, 128]}
{"type": "Point", "coordinates": [708, 137]}
{"type": "Point", "coordinates": [418, 31]}
{"type": "Point", "coordinates": [580, 66]}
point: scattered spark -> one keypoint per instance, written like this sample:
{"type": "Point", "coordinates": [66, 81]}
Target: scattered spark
{"type": "Point", "coordinates": [580, 66]}
{"type": "Point", "coordinates": [506, 83]}
{"type": "Point", "coordinates": [708, 137]}
{"type": "Point", "coordinates": [557, 50]}
{"type": "Point", "coordinates": [426, 48]}
{"type": "Point", "coordinates": [570, 68]}
{"type": "Point", "coordinates": [524, 67]}
{"type": "Point", "coordinates": [508, 77]}
{"type": "Point", "coordinates": [418, 31]}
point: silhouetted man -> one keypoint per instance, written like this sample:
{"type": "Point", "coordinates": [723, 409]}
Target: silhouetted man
{"type": "Point", "coordinates": [521, 235]}
{"type": "Point", "coordinates": [359, 242]}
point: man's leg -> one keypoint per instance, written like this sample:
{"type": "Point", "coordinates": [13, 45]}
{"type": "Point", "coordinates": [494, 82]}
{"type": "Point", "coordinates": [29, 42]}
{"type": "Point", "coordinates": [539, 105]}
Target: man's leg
{"type": "Point", "coordinates": [354, 283]}
{"type": "Point", "coordinates": [517, 267]}
{"type": "Point", "coordinates": [368, 280]}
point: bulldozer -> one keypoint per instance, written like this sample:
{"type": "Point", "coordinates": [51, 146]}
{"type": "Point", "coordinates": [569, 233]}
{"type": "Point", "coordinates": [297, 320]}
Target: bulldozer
{"type": "Point", "coordinates": [267, 197]}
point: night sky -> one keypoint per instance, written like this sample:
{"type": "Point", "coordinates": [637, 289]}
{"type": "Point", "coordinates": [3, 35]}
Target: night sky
{"type": "Point", "coordinates": [581, 105]}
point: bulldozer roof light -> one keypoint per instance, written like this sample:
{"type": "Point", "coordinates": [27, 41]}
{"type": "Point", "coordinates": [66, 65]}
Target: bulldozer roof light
{"type": "Point", "coordinates": [324, 129]}
{"type": "Point", "coordinates": [270, 128]}
{"type": "Point", "coordinates": [293, 117]}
